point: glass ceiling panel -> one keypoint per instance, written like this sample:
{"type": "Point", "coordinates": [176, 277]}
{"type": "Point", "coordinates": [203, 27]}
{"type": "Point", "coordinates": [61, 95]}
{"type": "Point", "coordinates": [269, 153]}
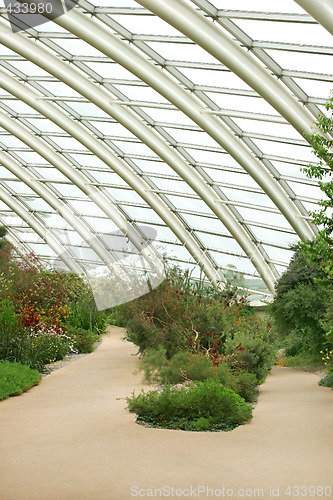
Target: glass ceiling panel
{"type": "Point", "coordinates": [168, 116]}
{"type": "Point", "coordinates": [297, 61]}
{"type": "Point", "coordinates": [86, 208]}
{"type": "Point", "coordinates": [292, 32]}
{"type": "Point", "coordinates": [219, 77]}
{"type": "Point", "coordinates": [315, 88]}
{"type": "Point", "coordinates": [278, 254]}
{"type": "Point", "coordinates": [140, 93]}
{"type": "Point", "coordinates": [45, 125]}
{"type": "Point", "coordinates": [19, 187]}
{"type": "Point", "coordinates": [143, 215]}
{"type": "Point", "coordinates": [112, 129]}
{"type": "Point", "coordinates": [262, 217]}
{"type": "Point", "coordinates": [242, 103]}
{"type": "Point", "coordinates": [49, 173]}
{"type": "Point", "coordinates": [68, 237]}
{"type": "Point", "coordinates": [42, 249]}
{"type": "Point", "coordinates": [215, 241]}
{"type": "Point", "coordinates": [271, 129]}
{"type": "Point", "coordinates": [144, 25]}
{"type": "Point", "coordinates": [11, 141]}
{"type": "Point", "coordinates": [242, 265]}
{"type": "Point", "coordinates": [273, 236]}
{"type": "Point", "coordinates": [31, 157]}
{"type": "Point", "coordinates": [182, 52]}
{"type": "Point", "coordinates": [6, 174]}
{"type": "Point", "coordinates": [303, 153]}
{"type": "Point", "coordinates": [68, 190]}
{"type": "Point", "coordinates": [182, 203]}
{"type": "Point", "coordinates": [125, 195]}
{"type": "Point", "coordinates": [20, 107]}
{"type": "Point", "coordinates": [40, 205]}
{"type": "Point", "coordinates": [102, 225]}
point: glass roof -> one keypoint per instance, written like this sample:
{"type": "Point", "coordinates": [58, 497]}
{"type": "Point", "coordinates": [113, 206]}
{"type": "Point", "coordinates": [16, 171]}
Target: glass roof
{"type": "Point", "coordinates": [173, 129]}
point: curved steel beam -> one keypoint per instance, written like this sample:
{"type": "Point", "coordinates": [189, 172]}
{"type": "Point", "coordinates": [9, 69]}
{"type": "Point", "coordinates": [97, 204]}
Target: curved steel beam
{"type": "Point", "coordinates": [80, 133]}
{"type": "Point", "coordinates": [320, 11]}
{"type": "Point", "coordinates": [47, 236]}
{"type": "Point", "coordinates": [103, 99]}
{"type": "Point", "coordinates": [47, 195]}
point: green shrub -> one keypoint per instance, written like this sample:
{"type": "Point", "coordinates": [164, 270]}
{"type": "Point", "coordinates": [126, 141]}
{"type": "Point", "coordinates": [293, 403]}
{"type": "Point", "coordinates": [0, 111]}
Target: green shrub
{"type": "Point", "coordinates": [83, 340]}
{"type": "Point", "coordinates": [16, 378]}
{"type": "Point", "coordinates": [186, 405]}
{"type": "Point", "coordinates": [251, 347]}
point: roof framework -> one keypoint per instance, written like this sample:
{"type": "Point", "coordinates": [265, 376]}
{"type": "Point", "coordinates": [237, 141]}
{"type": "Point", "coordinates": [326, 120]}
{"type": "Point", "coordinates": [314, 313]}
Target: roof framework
{"type": "Point", "coordinates": [187, 117]}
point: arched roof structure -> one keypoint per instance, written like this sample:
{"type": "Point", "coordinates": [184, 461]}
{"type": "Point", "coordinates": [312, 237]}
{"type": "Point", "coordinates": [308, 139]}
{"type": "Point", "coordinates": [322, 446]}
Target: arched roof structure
{"type": "Point", "coordinates": [181, 125]}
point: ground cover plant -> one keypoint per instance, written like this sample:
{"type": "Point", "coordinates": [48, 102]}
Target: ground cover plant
{"type": "Point", "coordinates": [16, 378]}
{"type": "Point", "coordinates": [44, 313]}
{"type": "Point", "coordinates": [189, 332]}
{"type": "Point", "coordinates": [327, 381]}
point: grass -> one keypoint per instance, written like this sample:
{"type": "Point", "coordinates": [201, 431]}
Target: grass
{"type": "Point", "coordinates": [16, 378]}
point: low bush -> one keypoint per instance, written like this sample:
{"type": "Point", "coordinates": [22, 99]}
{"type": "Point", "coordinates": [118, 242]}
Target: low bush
{"type": "Point", "coordinates": [245, 384]}
{"type": "Point", "coordinates": [327, 381]}
{"type": "Point", "coordinates": [206, 405]}
{"type": "Point", "coordinates": [16, 378]}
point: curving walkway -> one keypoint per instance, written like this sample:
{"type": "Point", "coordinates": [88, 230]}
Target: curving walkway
{"type": "Point", "coordinates": [70, 438]}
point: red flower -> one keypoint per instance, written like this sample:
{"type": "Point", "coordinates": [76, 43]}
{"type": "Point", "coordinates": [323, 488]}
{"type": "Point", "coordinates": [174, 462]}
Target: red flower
{"type": "Point", "coordinates": [239, 347]}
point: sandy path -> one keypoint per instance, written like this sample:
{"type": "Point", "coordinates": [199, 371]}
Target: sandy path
{"type": "Point", "coordinates": [71, 438]}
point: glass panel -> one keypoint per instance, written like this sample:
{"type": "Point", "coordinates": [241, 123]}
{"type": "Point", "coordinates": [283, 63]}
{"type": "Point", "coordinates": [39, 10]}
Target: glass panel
{"type": "Point", "coordinates": [298, 61]}
{"type": "Point", "coordinates": [86, 208]}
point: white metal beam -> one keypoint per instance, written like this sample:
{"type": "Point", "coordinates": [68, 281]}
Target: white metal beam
{"type": "Point", "coordinates": [321, 10]}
